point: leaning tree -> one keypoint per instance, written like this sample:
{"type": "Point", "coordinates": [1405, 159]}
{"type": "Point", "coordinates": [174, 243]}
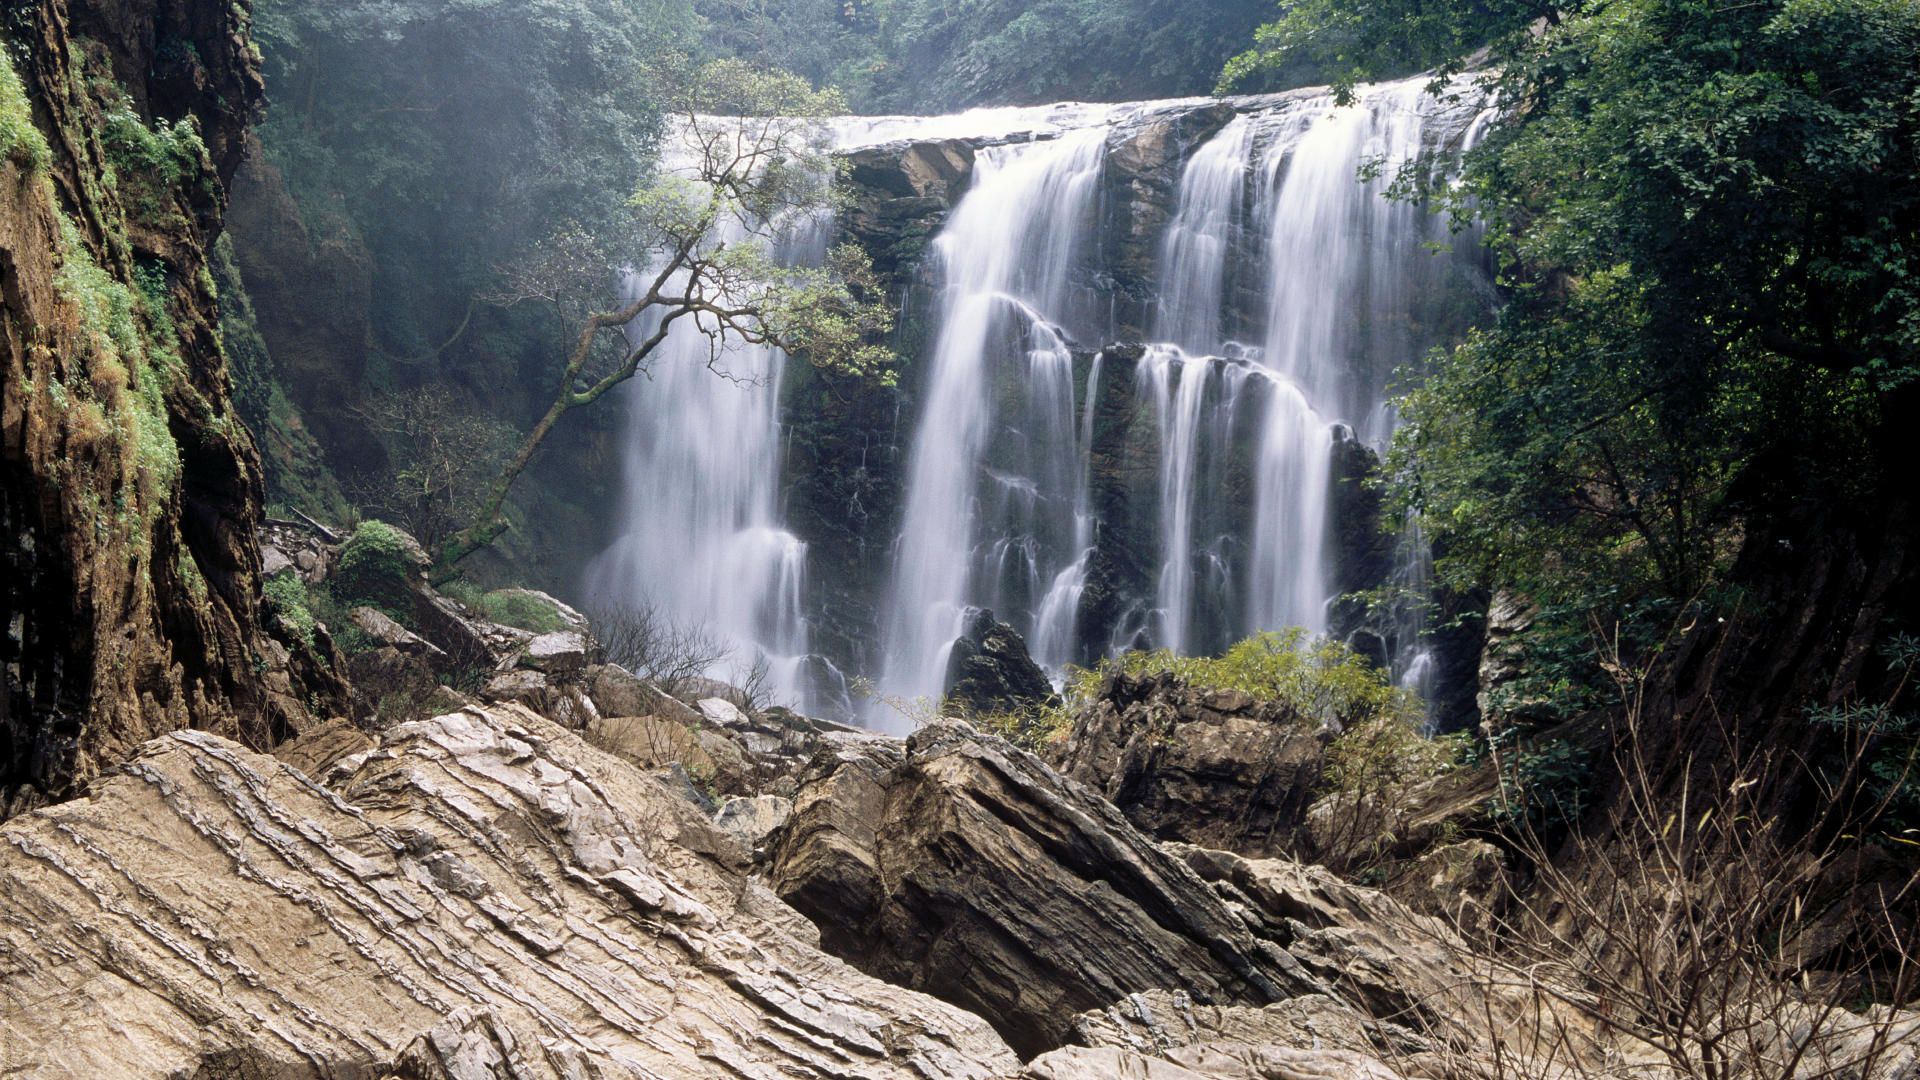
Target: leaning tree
{"type": "Point", "coordinates": [746, 161]}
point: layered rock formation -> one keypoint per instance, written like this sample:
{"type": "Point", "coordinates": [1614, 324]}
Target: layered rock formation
{"type": "Point", "coordinates": [484, 895]}
{"type": "Point", "coordinates": [129, 491]}
{"type": "Point", "coordinates": [963, 867]}
{"type": "Point", "coordinates": [1211, 767]}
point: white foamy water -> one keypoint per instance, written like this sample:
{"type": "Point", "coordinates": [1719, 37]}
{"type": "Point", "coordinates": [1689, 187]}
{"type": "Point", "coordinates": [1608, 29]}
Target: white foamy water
{"type": "Point", "coordinates": [1271, 240]}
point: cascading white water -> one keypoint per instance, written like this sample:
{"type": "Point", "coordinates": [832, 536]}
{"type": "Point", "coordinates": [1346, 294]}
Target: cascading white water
{"type": "Point", "coordinates": [1175, 375]}
{"type": "Point", "coordinates": [1270, 240]}
{"type": "Point", "coordinates": [1277, 187]}
{"type": "Point", "coordinates": [703, 547]}
{"type": "Point", "coordinates": [1199, 242]}
{"type": "Point", "coordinates": [1005, 259]}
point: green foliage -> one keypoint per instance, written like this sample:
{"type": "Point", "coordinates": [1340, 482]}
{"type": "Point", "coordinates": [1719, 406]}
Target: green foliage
{"type": "Point", "coordinates": [750, 164]}
{"type": "Point", "coordinates": [1708, 220]}
{"type": "Point", "coordinates": [1343, 42]}
{"type": "Point", "coordinates": [1544, 788]}
{"type": "Point", "coordinates": [1320, 677]}
{"type": "Point", "coordinates": [440, 453]}
{"type": "Point", "coordinates": [170, 152]}
{"type": "Point", "coordinates": [449, 136]}
{"type": "Point", "coordinates": [20, 142]}
{"type": "Point", "coordinates": [934, 55]}
{"type": "Point", "coordinates": [520, 608]}
{"type": "Point", "coordinates": [1386, 753]}
{"type": "Point", "coordinates": [1033, 728]}
{"type": "Point", "coordinates": [286, 600]}
{"type": "Point", "coordinates": [1891, 765]}
{"type": "Point", "coordinates": [130, 357]}
{"type": "Point", "coordinates": [375, 564]}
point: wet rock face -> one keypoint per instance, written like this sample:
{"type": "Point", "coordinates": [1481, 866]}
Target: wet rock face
{"type": "Point", "coordinates": [482, 887]}
{"type": "Point", "coordinates": [991, 671]}
{"type": "Point", "coordinates": [1208, 767]}
{"type": "Point", "coordinates": [965, 868]}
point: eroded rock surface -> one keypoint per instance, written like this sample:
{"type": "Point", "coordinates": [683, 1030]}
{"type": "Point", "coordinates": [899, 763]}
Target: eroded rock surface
{"type": "Point", "coordinates": [1209, 767]}
{"type": "Point", "coordinates": [990, 669]}
{"type": "Point", "coordinates": [484, 895]}
{"type": "Point", "coordinates": [961, 866]}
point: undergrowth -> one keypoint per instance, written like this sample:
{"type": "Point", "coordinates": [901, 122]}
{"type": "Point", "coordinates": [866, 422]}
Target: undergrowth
{"type": "Point", "coordinates": [1320, 678]}
{"type": "Point", "coordinates": [519, 608]}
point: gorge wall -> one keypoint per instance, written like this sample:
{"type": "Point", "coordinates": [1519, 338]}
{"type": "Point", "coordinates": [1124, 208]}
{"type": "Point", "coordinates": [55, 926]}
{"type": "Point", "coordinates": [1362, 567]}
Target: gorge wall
{"type": "Point", "coordinates": [129, 490]}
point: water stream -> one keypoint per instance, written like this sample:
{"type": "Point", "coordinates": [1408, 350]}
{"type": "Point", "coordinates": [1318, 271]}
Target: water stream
{"type": "Point", "coordinates": [1285, 295]}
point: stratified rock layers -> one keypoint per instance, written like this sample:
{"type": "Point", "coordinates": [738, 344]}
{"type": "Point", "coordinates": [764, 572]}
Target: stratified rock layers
{"type": "Point", "coordinates": [966, 868]}
{"type": "Point", "coordinates": [482, 896]}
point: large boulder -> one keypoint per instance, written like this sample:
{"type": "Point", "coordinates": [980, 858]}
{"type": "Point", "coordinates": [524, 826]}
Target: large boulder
{"type": "Point", "coordinates": [484, 895]}
{"type": "Point", "coordinates": [966, 868]}
{"type": "Point", "coordinates": [1210, 767]}
{"type": "Point", "coordinates": [990, 669]}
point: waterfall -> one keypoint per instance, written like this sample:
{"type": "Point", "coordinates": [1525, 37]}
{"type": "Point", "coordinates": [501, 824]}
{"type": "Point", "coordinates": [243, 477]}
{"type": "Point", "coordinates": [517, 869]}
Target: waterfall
{"type": "Point", "coordinates": [997, 490]}
{"type": "Point", "coordinates": [1193, 261]}
{"type": "Point", "coordinates": [1005, 260]}
{"type": "Point", "coordinates": [702, 547]}
{"type": "Point", "coordinates": [1278, 296]}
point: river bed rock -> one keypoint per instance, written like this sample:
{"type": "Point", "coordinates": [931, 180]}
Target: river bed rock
{"type": "Point", "coordinates": [484, 887]}
{"type": "Point", "coordinates": [1208, 767]}
{"type": "Point", "coordinates": [959, 865]}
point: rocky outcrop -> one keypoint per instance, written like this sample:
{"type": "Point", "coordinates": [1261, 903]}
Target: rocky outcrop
{"type": "Point", "coordinates": [1503, 663]}
{"type": "Point", "coordinates": [963, 867]}
{"type": "Point", "coordinates": [990, 670]}
{"type": "Point", "coordinates": [483, 895]}
{"type": "Point", "coordinates": [129, 490]}
{"type": "Point", "coordinates": [903, 193]}
{"type": "Point", "coordinates": [1210, 767]}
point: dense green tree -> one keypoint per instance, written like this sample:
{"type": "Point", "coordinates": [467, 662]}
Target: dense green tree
{"type": "Point", "coordinates": [1709, 220]}
{"type": "Point", "coordinates": [933, 55]}
{"type": "Point", "coordinates": [1344, 43]}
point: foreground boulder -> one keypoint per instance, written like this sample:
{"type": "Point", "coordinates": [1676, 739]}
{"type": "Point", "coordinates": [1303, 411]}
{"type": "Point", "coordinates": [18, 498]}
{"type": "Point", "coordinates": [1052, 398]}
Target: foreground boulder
{"type": "Point", "coordinates": [482, 895]}
{"type": "Point", "coordinates": [963, 867]}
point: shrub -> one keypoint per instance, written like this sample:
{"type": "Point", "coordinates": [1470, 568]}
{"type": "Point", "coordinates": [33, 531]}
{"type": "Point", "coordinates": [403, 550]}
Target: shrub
{"type": "Point", "coordinates": [375, 563]}
{"type": "Point", "coordinates": [521, 608]}
{"type": "Point", "coordinates": [1543, 788]}
{"type": "Point", "coordinates": [20, 142]}
{"type": "Point", "coordinates": [286, 599]}
{"type": "Point", "coordinates": [1031, 729]}
{"type": "Point", "coordinates": [1322, 678]}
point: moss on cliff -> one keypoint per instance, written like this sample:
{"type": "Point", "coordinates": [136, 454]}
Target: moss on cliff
{"type": "Point", "coordinates": [129, 488]}
{"type": "Point", "coordinates": [20, 142]}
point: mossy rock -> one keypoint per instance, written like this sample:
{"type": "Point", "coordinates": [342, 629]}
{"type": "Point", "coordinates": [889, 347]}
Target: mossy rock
{"type": "Point", "coordinates": [378, 563]}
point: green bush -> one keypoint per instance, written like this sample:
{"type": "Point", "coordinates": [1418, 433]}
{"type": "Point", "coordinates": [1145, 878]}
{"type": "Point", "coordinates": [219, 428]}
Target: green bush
{"type": "Point", "coordinates": [1033, 728]}
{"type": "Point", "coordinates": [286, 599]}
{"type": "Point", "coordinates": [375, 564]}
{"type": "Point", "coordinates": [1544, 788]}
{"type": "Point", "coordinates": [1322, 678]}
{"type": "Point", "coordinates": [20, 141]}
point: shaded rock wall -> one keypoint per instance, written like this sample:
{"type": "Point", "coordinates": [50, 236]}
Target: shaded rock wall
{"type": "Point", "coordinates": [1210, 767]}
{"type": "Point", "coordinates": [128, 488]}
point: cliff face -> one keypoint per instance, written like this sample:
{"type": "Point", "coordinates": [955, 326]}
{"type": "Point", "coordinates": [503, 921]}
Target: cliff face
{"type": "Point", "coordinates": [128, 487]}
